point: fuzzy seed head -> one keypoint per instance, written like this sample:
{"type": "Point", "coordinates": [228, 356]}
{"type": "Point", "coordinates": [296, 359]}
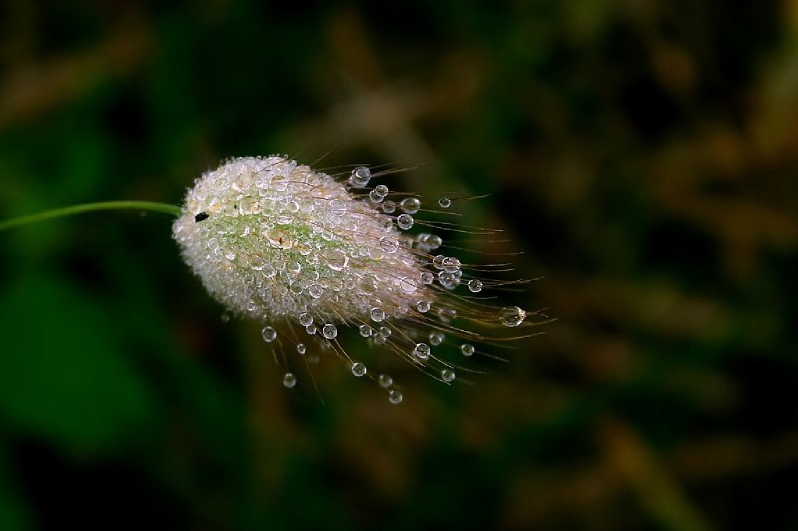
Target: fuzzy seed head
{"type": "Point", "coordinates": [272, 239]}
{"type": "Point", "coordinates": [278, 242]}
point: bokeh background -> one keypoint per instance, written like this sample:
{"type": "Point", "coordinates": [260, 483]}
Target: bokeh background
{"type": "Point", "coordinates": [641, 155]}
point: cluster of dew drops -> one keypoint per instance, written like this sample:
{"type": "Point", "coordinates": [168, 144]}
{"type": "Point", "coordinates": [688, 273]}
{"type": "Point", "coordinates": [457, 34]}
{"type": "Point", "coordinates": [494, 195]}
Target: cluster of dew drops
{"type": "Point", "coordinates": [443, 274]}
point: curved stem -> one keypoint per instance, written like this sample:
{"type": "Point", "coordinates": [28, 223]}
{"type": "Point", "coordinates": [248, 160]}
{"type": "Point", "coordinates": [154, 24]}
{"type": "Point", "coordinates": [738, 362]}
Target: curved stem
{"type": "Point", "coordinates": [90, 207]}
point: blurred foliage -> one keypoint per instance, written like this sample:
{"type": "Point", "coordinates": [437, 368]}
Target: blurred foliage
{"type": "Point", "coordinates": [641, 154]}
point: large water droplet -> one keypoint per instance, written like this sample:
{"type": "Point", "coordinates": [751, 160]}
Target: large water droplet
{"type": "Point", "coordinates": [329, 331]}
{"type": "Point", "coordinates": [467, 349]}
{"type": "Point", "coordinates": [269, 334]}
{"type": "Point", "coordinates": [404, 221]}
{"type": "Point", "coordinates": [384, 380]}
{"type": "Point", "coordinates": [475, 285]}
{"type": "Point", "coordinates": [358, 369]}
{"type": "Point", "coordinates": [511, 316]}
{"type": "Point", "coordinates": [447, 375]}
{"type": "Point", "coordinates": [410, 205]}
{"type": "Point", "coordinates": [360, 177]}
{"type": "Point", "coordinates": [289, 380]}
{"type": "Point", "coordinates": [395, 396]}
{"type": "Point", "coordinates": [421, 351]}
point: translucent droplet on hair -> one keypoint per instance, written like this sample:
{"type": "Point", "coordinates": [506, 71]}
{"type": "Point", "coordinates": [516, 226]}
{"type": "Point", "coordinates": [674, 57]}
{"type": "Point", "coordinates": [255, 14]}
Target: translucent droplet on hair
{"type": "Point", "coordinates": [410, 205]}
{"type": "Point", "coordinates": [329, 331]}
{"type": "Point", "coordinates": [360, 177]}
{"type": "Point", "coordinates": [365, 330]}
{"type": "Point", "coordinates": [389, 244]}
{"type": "Point", "coordinates": [421, 351]}
{"type": "Point", "coordinates": [447, 375]}
{"type": "Point", "coordinates": [436, 338]}
{"type": "Point", "coordinates": [377, 315]}
{"type": "Point", "coordinates": [444, 202]}
{"type": "Point", "coordinates": [467, 349]}
{"type": "Point", "coordinates": [358, 369]}
{"type": "Point", "coordinates": [422, 306]}
{"type": "Point", "coordinates": [511, 316]}
{"type": "Point", "coordinates": [395, 396]}
{"type": "Point", "coordinates": [475, 285]}
{"type": "Point", "coordinates": [269, 334]}
{"type": "Point", "coordinates": [289, 380]}
{"type": "Point", "coordinates": [305, 319]}
{"type": "Point", "coordinates": [404, 221]}
{"type": "Point", "coordinates": [384, 380]}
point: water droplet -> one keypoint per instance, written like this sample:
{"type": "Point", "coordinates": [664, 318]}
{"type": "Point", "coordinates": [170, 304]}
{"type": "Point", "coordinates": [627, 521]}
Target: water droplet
{"type": "Point", "coordinates": [384, 380]}
{"type": "Point", "coordinates": [385, 332]}
{"type": "Point", "coordinates": [360, 177]}
{"type": "Point", "coordinates": [301, 348]}
{"type": "Point", "coordinates": [279, 238]}
{"type": "Point", "coordinates": [389, 207]}
{"type": "Point", "coordinates": [450, 264]}
{"type": "Point", "coordinates": [467, 349]}
{"type": "Point", "coordinates": [475, 285]}
{"type": "Point", "coordinates": [365, 330]}
{"type": "Point", "coordinates": [336, 260]}
{"type": "Point", "coordinates": [423, 306]}
{"type": "Point", "coordinates": [315, 290]}
{"type": "Point", "coordinates": [389, 244]}
{"type": "Point", "coordinates": [404, 221]}
{"type": "Point", "coordinates": [436, 338]}
{"type": "Point", "coordinates": [377, 315]}
{"type": "Point", "coordinates": [427, 277]}
{"type": "Point", "coordinates": [511, 316]}
{"type": "Point", "coordinates": [410, 205]}
{"type": "Point", "coordinates": [289, 380]}
{"type": "Point", "coordinates": [421, 351]}
{"type": "Point", "coordinates": [269, 334]}
{"type": "Point", "coordinates": [310, 329]}
{"type": "Point", "coordinates": [447, 375]}
{"type": "Point", "coordinates": [225, 317]}
{"type": "Point", "coordinates": [395, 396]}
{"type": "Point", "coordinates": [358, 369]}
{"type": "Point", "coordinates": [444, 202]}
{"type": "Point", "coordinates": [305, 319]}
{"type": "Point", "coordinates": [408, 285]}
{"type": "Point", "coordinates": [329, 331]}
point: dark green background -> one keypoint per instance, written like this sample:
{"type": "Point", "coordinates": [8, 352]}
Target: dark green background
{"type": "Point", "coordinates": [642, 155]}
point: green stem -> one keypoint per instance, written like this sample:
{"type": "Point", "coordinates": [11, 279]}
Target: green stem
{"type": "Point", "coordinates": [90, 207]}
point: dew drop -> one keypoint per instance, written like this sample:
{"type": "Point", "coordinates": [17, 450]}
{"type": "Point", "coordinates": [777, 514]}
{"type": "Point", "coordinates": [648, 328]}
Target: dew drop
{"type": "Point", "coordinates": [421, 351]}
{"type": "Point", "coordinates": [467, 349]}
{"type": "Point", "coordinates": [305, 319]}
{"type": "Point", "coordinates": [365, 330]}
{"type": "Point", "coordinates": [389, 244]}
{"type": "Point", "coordinates": [310, 329]}
{"type": "Point", "coordinates": [475, 285]}
{"type": "Point", "coordinates": [436, 338]}
{"type": "Point", "coordinates": [444, 202]}
{"type": "Point", "coordinates": [385, 332]}
{"type": "Point", "coordinates": [329, 331]}
{"type": "Point", "coordinates": [358, 369]}
{"type": "Point", "coordinates": [410, 205]}
{"type": "Point", "coordinates": [360, 177]}
{"type": "Point", "coordinates": [511, 316]}
{"type": "Point", "coordinates": [315, 290]}
{"type": "Point", "coordinates": [389, 207]}
{"type": "Point", "coordinates": [427, 277]}
{"type": "Point", "coordinates": [269, 334]}
{"type": "Point", "coordinates": [289, 380]}
{"type": "Point", "coordinates": [301, 348]}
{"type": "Point", "coordinates": [395, 396]}
{"type": "Point", "coordinates": [384, 380]}
{"type": "Point", "coordinates": [377, 315]}
{"type": "Point", "coordinates": [422, 306]}
{"type": "Point", "coordinates": [447, 375]}
{"type": "Point", "coordinates": [404, 221]}
{"type": "Point", "coordinates": [408, 285]}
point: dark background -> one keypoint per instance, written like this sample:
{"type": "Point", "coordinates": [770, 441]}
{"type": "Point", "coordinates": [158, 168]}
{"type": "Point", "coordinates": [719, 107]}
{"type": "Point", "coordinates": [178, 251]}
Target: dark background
{"type": "Point", "coordinates": [642, 155]}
